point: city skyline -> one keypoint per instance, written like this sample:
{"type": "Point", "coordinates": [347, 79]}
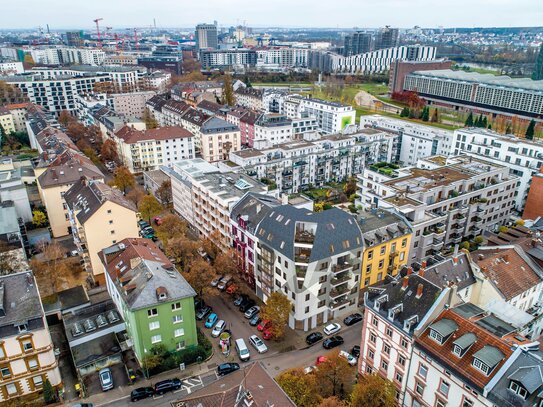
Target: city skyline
{"type": "Point", "coordinates": [304, 13]}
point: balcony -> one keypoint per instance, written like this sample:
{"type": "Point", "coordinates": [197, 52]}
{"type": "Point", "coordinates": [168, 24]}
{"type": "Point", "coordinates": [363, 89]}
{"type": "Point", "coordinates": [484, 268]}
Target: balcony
{"type": "Point", "coordinates": [337, 304]}
{"type": "Point", "coordinates": [337, 292]}
{"type": "Point", "coordinates": [456, 238]}
{"type": "Point", "coordinates": [479, 210]}
{"type": "Point", "coordinates": [338, 268]}
{"type": "Point", "coordinates": [436, 244]}
{"type": "Point", "coordinates": [301, 272]}
{"type": "Point", "coordinates": [477, 220]}
{"type": "Point", "coordinates": [457, 226]}
{"type": "Point", "coordinates": [463, 209]}
{"type": "Point", "coordinates": [340, 279]}
{"type": "Point", "coordinates": [304, 236]}
{"type": "Point", "coordinates": [476, 230]}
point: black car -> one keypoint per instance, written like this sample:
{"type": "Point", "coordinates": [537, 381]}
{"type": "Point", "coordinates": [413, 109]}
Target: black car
{"type": "Point", "coordinates": [202, 313]}
{"type": "Point", "coordinates": [226, 368]}
{"type": "Point", "coordinates": [352, 319]}
{"type": "Point", "coordinates": [332, 342]}
{"type": "Point", "coordinates": [168, 385]}
{"type": "Point", "coordinates": [246, 305]}
{"type": "Point", "coordinates": [198, 303]}
{"type": "Point", "coordinates": [313, 338]}
{"type": "Point", "coordinates": [240, 299]}
{"type": "Point", "coordinates": [141, 393]}
{"type": "Point", "coordinates": [355, 351]}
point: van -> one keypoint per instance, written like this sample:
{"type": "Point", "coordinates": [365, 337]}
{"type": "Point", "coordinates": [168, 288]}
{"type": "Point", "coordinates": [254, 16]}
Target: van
{"type": "Point", "coordinates": [243, 351]}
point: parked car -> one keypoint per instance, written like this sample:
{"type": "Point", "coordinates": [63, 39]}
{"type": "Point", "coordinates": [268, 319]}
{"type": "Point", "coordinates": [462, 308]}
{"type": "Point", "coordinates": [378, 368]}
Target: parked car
{"type": "Point", "coordinates": [332, 342]}
{"type": "Point", "coordinates": [198, 303]}
{"type": "Point", "coordinates": [168, 385]}
{"type": "Point", "coordinates": [211, 320]}
{"type": "Point", "coordinates": [224, 282]}
{"type": "Point", "coordinates": [321, 359]}
{"type": "Point", "coordinates": [355, 351]}
{"type": "Point", "coordinates": [251, 312]}
{"type": "Point", "coordinates": [309, 369]}
{"type": "Point", "coordinates": [202, 313]}
{"type": "Point", "coordinates": [243, 351]}
{"type": "Point", "coordinates": [157, 220]}
{"type": "Point", "coordinates": [313, 338]}
{"type": "Point", "coordinates": [264, 324]}
{"type": "Point", "coordinates": [255, 320]}
{"type": "Point", "coordinates": [258, 344]}
{"type": "Point", "coordinates": [216, 281]}
{"type": "Point", "coordinates": [232, 289]}
{"type": "Point", "coordinates": [352, 319]}
{"type": "Point", "coordinates": [267, 334]}
{"type": "Point", "coordinates": [332, 328]}
{"type": "Point", "coordinates": [240, 299]}
{"type": "Point", "coordinates": [226, 368]}
{"type": "Point", "coordinates": [246, 305]}
{"type": "Point", "coordinates": [106, 379]}
{"type": "Point", "coordinates": [141, 393]}
{"type": "Point", "coordinates": [348, 357]}
{"type": "Point", "coordinates": [143, 224]}
{"type": "Point", "coordinates": [217, 329]}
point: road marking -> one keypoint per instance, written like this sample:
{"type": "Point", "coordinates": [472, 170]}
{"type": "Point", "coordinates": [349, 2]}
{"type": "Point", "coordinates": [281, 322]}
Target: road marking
{"type": "Point", "coordinates": [181, 389]}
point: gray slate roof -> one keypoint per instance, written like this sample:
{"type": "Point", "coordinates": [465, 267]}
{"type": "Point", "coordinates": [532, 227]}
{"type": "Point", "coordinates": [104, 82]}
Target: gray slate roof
{"type": "Point", "coordinates": [252, 208]}
{"type": "Point", "coordinates": [531, 377]}
{"type": "Point", "coordinates": [444, 327]}
{"type": "Point", "coordinates": [466, 340]}
{"type": "Point", "coordinates": [490, 355]}
{"type": "Point", "coordinates": [216, 125]}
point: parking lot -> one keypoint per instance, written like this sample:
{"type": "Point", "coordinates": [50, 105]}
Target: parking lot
{"type": "Point", "coordinates": [118, 372]}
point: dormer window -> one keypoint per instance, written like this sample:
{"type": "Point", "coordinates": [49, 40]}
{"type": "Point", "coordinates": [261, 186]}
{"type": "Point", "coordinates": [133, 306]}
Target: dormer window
{"type": "Point", "coordinates": [487, 358]}
{"type": "Point", "coordinates": [22, 328]}
{"type": "Point", "coordinates": [518, 389]}
{"type": "Point", "coordinates": [483, 367]}
{"type": "Point", "coordinates": [462, 344]}
{"type": "Point", "coordinates": [441, 330]}
{"type": "Point", "coordinates": [458, 351]}
{"type": "Point", "coordinates": [436, 336]}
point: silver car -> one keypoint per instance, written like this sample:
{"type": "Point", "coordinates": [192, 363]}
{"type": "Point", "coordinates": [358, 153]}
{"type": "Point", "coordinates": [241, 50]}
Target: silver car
{"type": "Point", "coordinates": [251, 312]}
{"type": "Point", "coordinates": [106, 379]}
{"type": "Point", "coordinates": [258, 344]}
{"type": "Point", "coordinates": [219, 327]}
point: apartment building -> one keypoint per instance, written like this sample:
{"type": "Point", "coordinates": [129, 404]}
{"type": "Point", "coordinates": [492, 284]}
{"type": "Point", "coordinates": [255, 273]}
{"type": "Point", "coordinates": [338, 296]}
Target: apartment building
{"type": "Point", "coordinates": [251, 98]}
{"type": "Point", "coordinates": [14, 244]}
{"type": "Point", "coordinates": [11, 68]}
{"type": "Point", "coordinates": [235, 58]}
{"type": "Point", "coordinates": [313, 258]}
{"type": "Point", "coordinates": [27, 357]}
{"type": "Point", "coordinates": [205, 197]}
{"type": "Point", "coordinates": [18, 114]}
{"type": "Point", "coordinates": [130, 104]}
{"type": "Point", "coordinates": [99, 216]}
{"type": "Point", "coordinates": [149, 149]}
{"type": "Point", "coordinates": [67, 56]}
{"type": "Point", "coordinates": [13, 188]}
{"type": "Point", "coordinates": [153, 298]}
{"type": "Point", "coordinates": [281, 58]}
{"type": "Point", "coordinates": [245, 119]}
{"type": "Point", "coordinates": [109, 121]}
{"type": "Point", "coordinates": [332, 117]}
{"type": "Point", "coordinates": [217, 139]}
{"type": "Point", "coordinates": [395, 309]}
{"type": "Point", "coordinates": [6, 120]}
{"type": "Point", "coordinates": [524, 158]}
{"type": "Point", "coordinates": [445, 200]}
{"type": "Point", "coordinates": [387, 239]}
{"type": "Point", "coordinates": [417, 140]}
{"type": "Point", "coordinates": [206, 36]}
{"type": "Point", "coordinates": [294, 165]}
{"type": "Point", "coordinates": [272, 129]}
{"type": "Point", "coordinates": [180, 91]}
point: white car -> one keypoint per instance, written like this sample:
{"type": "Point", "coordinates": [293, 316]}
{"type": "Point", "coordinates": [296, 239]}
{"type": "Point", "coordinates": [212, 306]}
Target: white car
{"type": "Point", "coordinates": [309, 369]}
{"type": "Point", "coordinates": [258, 344]}
{"type": "Point", "coordinates": [348, 357]}
{"type": "Point", "coordinates": [251, 312]}
{"type": "Point", "coordinates": [332, 328]}
{"type": "Point", "coordinates": [215, 282]}
{"type": "Point", "coordinates": [219, 327]}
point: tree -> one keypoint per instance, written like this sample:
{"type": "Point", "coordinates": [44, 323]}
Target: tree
{"type": "Point", "coordinates": [335, 376]}
{"type": "Point", "coordinates": [404, 112]}
{"type": "Point", "coordinates": [182, 249]}
{"type": "Point", "coordinates": [39, 218]}
{"type": "Point", "coordinates": [64, 118]}
{"type": "Point", "coordinates": [149, 119]}
{"type": "Point", "coordinates": [48, 392]}
{"type": "Point", "coordinates": [123, 178]}
{"type": "Point", "coordinates": [109, 151]}
{"type": "Point", "coordinates": [200, 275]}
{"type": "Point", "coordinates": [50, 267]}
{"type": "Point", "coordinates": [277, 310]}
{"type": "Point", "coordinates": [332, 402]}
{"type": "Point", "coordinates": [209, 244]}
{"type": "Point", "coordinates": [225, 262]}
{"type": "Point", "coordinates": [435, 117]}
{"type": "Point", "coordinates": [425, 116]}
{"type": "Point", "coordinates": [373, 391]}
{"type": "Point", "coordinates": [350, 186]}
{"type": "Point", "coordinates": [135, 195]}
{"type": "Point", "coordinates": [149, 207]}
{"type": "Point", "coordinates": [171, 227]}
{"type": "Point", "coordinates": [469, 120]}
{"type": "Point", "coordinates": [164, 192]}
{"type": "Point", "coordinates": [228, 91]}
{"type": "Point", "coordinates": [300, 387]}
{"type": "Point", "coordinates": [530, 131]}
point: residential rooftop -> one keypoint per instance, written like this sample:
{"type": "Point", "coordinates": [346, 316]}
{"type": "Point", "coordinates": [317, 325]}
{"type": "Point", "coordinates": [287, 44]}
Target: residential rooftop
{"type": "Point", "coordinates": [19, 303]}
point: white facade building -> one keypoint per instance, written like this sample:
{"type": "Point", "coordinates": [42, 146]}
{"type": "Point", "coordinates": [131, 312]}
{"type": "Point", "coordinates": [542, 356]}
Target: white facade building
{"type": "Point", "coordinates": [11, 68]}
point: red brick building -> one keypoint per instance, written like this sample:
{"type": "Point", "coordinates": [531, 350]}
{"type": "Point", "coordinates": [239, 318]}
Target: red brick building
{"type": "Point", "coordinates": [534, 203]}
{"type": "Point", "coordinates": [399, 69]}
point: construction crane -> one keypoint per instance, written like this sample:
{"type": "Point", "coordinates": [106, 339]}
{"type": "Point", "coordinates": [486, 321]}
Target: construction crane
{"type": "Point", "coordinates": [96, 21]}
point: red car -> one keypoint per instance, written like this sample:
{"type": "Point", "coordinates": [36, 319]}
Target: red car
{"type": "Point", "coordinates": [157, 220]}
{"type": "Point", "coordinates": [264, 324]}
{"type": "Point", "coordinates": [321, 359]}
{"type": "Point", "coordinates": [267, 334]}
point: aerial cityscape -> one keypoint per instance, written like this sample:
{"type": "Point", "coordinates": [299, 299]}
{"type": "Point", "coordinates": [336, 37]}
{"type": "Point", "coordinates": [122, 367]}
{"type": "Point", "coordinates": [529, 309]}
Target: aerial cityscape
{"type": "Point", "coordinates": [236, 204]}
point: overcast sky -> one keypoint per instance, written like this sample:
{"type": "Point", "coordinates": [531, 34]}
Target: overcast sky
{"type": "Point", "coordinates": [61, 14]}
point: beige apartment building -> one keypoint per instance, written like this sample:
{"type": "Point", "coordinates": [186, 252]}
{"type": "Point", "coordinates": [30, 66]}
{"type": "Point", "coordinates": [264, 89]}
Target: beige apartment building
{"type": "Point", "coordinates": [27, 357]}
{"type": "Point", "coordinates": [218, 138]}
{"type": "Point", "coordinates": [99, 216]}
{"type": "Point", "coordinates": [6, 120]}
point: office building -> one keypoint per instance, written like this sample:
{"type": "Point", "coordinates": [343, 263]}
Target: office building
{"type": "Point", "coordinates": [206, 36]}
{"type": "Point", "coordinates": [387, 37]}
{"type": "Point", "coordinates": [399, 69]}
{"type": "Point", "coordinates": [357, 43]}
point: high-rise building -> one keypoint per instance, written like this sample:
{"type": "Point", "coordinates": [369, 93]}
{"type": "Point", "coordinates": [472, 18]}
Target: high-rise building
{"type": "Point", "coordinates": [74, 38]}
{"type": "Point", "coordinates": [357, 43]}
{"type": "Point", "coordinates": [387, 37]}
{"type": "Point", "coordinates": [206, 36]}
{"type": "Point", "coordinates": [538, 70]}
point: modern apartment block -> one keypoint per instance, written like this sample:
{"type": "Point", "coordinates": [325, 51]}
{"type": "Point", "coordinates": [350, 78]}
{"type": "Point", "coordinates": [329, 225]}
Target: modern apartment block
{"type": "Point", "coordinates": [417, 140]}
{"type": "Point", "coordinates": [149, 149]}
{"type": "Point", "coordinates": [524, 158]}
{"type": "Point", "coordinates": [11, 68]}
{"type": "Point", "coordinates": [387, 37]}
{"type": "Point", "coordinates": [154, 299]}
{"type": "Point", "coordinates": [272, 129]}
{"type": "Point", "coordinates": [99, 216]}
{"type": "Point", "coordinates": [295, 165]}
{"type": "Point", "coordinates": [358, 42]}
{"type": "Point", "coordinates": [480, 92]}
{"type": "Point", "coordinates": [130, 104]}
{"type": "Point", "coordinates": [313, 258]}
{"type": "Point", "coordinates": [27, 357]}
{"type": "Point", "coordinates": [67, 56]}
{"type": "Point", "coordinates": [332, 117]}
{"type": "Point", "coordinates": [237, 57]}
{"type": "Point", "coordinates": [445, 200]}
{"type": "Point", "coordinates": [204, 197]}
{"type": "Point", "coordinates": [206, 36]}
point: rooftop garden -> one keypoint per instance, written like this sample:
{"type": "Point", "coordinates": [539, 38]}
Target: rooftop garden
{"type": "Point", "coordinates": [387, 169]}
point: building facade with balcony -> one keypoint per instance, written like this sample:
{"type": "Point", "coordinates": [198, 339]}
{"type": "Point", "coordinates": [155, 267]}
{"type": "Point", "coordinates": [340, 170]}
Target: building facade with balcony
{"type": "Point", "coordinates": [312, 258]}
{"type": "Point", "coordinates": [99, 216]}
{"type": "Point", "coordinates": [445, 200]}
{"type": "Point", "coordinates": [27, 357]}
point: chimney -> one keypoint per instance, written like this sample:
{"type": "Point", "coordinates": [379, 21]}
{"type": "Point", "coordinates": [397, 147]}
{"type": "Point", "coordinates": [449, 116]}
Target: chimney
{"type": "Point", "coordinates": [505, 258]}
{"type": "Point", "coordinates": [409, 270]}
{"type": "Point", "coordinates": [422, 270]}
{"type": "Point", "coordinates": [455, 255]}
{"type": "Point", "coordinates": [534, 241]}
{"type": "Point", "coordinates": [481, 256]}
{"type": "Point", "coordinates": [419, 290]}
{"type": "Point", "coordinates": [423, 264]}
{"type": "Point", "coordinates": [405, 282]}
{"type": "Point", "coordinates": [484, 269]}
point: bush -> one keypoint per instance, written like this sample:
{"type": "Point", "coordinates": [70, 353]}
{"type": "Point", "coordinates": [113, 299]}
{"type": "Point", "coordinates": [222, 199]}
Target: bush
{"type": "Point", "coordinates": [352, 208]}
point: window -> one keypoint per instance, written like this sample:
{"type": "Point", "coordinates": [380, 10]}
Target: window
{"type": "Point", "coordinates": [179, 332]}
{"type": "Point", "coordinates": [386, 348]}
{"type": "Point", "coordinates": [368, 269]}
{"type": "Point", "coordinates": [374, 321]}
{"type": "Point", "coordinates": [383, 250]}
{"type": "Point", "coordinates": [111, 222]}
{"type": "Point", "coordinates": [404, 343]}
{"type": "Point", "coordinates": [176, 306]}
{"type": "Point", "coordinates": [398, 377]}
{"type": "Point", "coordinates": [2, 353]}
{"type": "Point", "coordinates": [467, 403]}
{"type": "Point", "coordinates": [153, 312]}
{"type": "Point", "coordinates": [481, 366]}
{"type": "Point", "coordinates": [11, 389]}
{"type": "Point", "coordinates": [381, 263]}
{"type": "Point", "coordinates": [423, 370]}
{"type": "Point", "coordinates": [458, 351]}
{"type": "Point", "coordinates": [515, 388]}
{"type": "Point", "coordinates": [370, 255]}
{"type": "Point", "coordinates": [444, 387]}
{"type": "Point", "coordinates": [404, 242]}
{"type": "Point", "coordinates": [154, 325]}
{"type": "Point", "coordinates": [401, 360]}
{"type": "Point", "coordinates": [436, 337]}
{"type": "Point", "coordinates": [384, 365]}
{"type": "Point", "coordinates": [373, 338]}
{"type": "Point", "coordinates": [389, 332]}
{"type": "Point", "coordinates": [440, 403]}
{"type": "Point", "coordinates": [177, 319]}
{"type": "Point", "coordinates": [38, 381]}
{"type": "Point", "coordinates": [22, 328]}
{"type": "Point", "coordinates": [419, 388]}
{"type": "Point", "coordinates": [371, 354]}
{"type": "Point", "coordinates": [156, 339]}
{"type": "Point", "coordinates": [32, 363]}
{"type": "Point", "coordinates": [27, 345]}
{"type": "Point", "coordinates": [180, 345]}
{"type": "Point", "coordinates": [5, 372]}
